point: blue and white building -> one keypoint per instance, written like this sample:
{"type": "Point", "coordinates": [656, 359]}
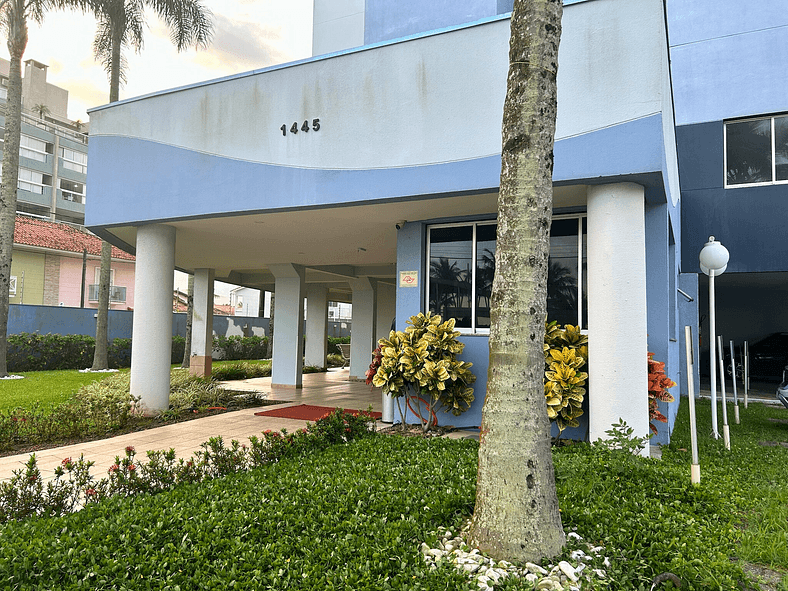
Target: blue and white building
{"type": "Point", "coordinates": [369, 173]}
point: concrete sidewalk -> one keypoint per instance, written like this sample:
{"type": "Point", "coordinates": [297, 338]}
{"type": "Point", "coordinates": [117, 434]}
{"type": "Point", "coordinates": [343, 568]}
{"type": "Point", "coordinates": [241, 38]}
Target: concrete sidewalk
{"type": "Point", "coordinates": [324, 389]}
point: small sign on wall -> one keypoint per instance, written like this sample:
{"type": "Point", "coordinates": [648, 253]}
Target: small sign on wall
{"type": "Point", "coordinates": [408, 278]}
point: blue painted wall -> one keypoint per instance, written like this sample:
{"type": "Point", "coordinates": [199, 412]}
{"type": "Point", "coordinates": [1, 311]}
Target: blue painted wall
{"type": "Point", "coordinates": [749, 221]}
{"type": "Point", "coordinates": [385, 20]}
{"type": "Point", "coordinates": [725, 55]}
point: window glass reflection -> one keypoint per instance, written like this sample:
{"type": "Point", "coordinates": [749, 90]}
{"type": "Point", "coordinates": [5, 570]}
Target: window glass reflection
{"type": "Point", "coordinates": [485, 269]}
{"type": "Point", "coordinates": [562, 273]}
{"type": "Point", "coordinates": [451, 256]}
{"type": "Point", "coordinates": [781, 148]}
{"type": "Point", "coordinates": [749, 152]}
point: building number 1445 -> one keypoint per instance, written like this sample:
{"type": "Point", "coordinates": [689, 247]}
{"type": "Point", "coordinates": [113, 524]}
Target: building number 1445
{"type": "Point", "coordinates": [304, 127]}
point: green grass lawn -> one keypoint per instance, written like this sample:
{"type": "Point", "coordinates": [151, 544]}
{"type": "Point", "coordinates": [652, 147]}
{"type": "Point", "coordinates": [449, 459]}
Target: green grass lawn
{"type": "Point", "coordinates": [353, 517]}
{"type": "Point", "coordinates": [46, 387]}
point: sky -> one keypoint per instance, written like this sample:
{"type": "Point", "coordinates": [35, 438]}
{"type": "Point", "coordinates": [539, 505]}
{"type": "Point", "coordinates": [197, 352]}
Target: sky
{"type": "Point", "coordinates": [249, 34]}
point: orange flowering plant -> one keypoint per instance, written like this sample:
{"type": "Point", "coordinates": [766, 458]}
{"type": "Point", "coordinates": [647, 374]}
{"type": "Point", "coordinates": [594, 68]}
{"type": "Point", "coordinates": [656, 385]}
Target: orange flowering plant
{"type": "Point", "coordinates": [658, 384]}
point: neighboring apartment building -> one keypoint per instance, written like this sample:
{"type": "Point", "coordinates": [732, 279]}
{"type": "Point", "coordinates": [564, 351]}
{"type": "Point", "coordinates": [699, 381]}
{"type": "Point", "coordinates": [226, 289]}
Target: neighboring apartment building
{"type": "Point", "coordinates": [53, 149]}
{"type": "Point", "coordinates": [370, 175]}
{"type": "Point", "coordinates": [52, 261]}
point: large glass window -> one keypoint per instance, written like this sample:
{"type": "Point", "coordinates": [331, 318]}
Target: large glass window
{"type": "Point", "coordinates": [462, 264]}
{"type": "Point", "coordinates": [756, 151]}
{"type": "Point", "coordinates": [72, 191]}
{"type": "Point", "coordinates": [33, 181]}
{"type": "Point", "coordinates": [32, 148]}
{"type": "Point", "coordinates": [451, 273]}
{"type": "Point", "coordinates": [74, 160]}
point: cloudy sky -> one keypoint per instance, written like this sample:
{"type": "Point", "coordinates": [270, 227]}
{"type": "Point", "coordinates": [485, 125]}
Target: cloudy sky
{"type": "Point", "coordinates": [249, 34]}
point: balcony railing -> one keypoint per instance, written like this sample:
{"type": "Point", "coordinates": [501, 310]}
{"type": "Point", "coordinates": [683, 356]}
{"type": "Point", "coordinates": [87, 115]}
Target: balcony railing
{"type": "Point", "coordinates": [116, 294]}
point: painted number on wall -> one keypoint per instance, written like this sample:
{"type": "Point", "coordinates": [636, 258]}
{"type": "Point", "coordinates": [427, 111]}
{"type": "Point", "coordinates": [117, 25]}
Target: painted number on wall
{"type": "Point", "coordinates": [294, 128]}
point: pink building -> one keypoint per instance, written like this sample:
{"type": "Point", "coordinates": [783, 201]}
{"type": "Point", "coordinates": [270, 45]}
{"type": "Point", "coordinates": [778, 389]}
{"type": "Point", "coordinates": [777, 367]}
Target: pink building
{"type": "Point", "coordinates": [52, 261]}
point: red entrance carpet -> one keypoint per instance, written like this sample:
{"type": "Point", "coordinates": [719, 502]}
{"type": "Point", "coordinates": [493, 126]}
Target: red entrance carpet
{"type": "Point", "coordinates": [307, 412]}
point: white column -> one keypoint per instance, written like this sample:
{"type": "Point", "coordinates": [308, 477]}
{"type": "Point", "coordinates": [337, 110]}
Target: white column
{"type": "Point", "coordinates": [151, 345]}
{"type": "Point", "coordinates": [617, 312]}
{"type": "Point", "coordinates": [362, 332]}
{"type": "Point", "coordinates": [316, 325]}
{"type": "Point", "coordinates": [201, 361]}
{"type": "Point", "coordinates": [288, 358]}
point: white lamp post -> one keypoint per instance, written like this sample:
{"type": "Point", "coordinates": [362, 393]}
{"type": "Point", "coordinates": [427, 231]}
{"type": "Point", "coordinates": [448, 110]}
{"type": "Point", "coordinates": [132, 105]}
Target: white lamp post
{"type": "Point", "coordinates": [713, 262]}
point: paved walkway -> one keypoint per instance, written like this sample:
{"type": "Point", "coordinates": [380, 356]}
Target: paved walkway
{"type": "Point", "coordinates": [323, 389]}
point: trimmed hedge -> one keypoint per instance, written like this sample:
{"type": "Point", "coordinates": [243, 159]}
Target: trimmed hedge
{"type": "Point", "coordinates": [37, 352]}
{"type": "Point", "coordinates": [237, 347]}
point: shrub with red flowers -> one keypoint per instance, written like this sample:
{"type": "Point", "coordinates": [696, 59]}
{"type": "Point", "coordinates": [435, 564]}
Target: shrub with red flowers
{"type": "Point", "coordinates": [658, 384]}
{"type": "Point", "coordinates": [26, 495]}
{"type": "Point", "coordinates": [377, 357]}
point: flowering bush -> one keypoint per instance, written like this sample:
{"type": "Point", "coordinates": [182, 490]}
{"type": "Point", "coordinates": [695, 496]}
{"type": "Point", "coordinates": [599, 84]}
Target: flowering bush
{"type": "Point", "coordinates": [421, 365]}
{"type": "Point", "coordinates": [25, 494]}
{"type": "Point", "coordinates": [566, 353]}
{"type": "Point", "coordinates": [658, 383]}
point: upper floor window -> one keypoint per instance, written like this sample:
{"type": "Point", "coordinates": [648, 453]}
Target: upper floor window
{"type": "Point", "coordinates": [74, 160]}
{"type": "Point", "coordinates": [32, 148]}
{"type": "Point", "coordinates": [72, 191]}
{"type": "Point", "coordinates": [756, 151]}
{"type": "Point", "coordinates": [461, 259]}
{"type": "Point", "coordinates": [33, 181]}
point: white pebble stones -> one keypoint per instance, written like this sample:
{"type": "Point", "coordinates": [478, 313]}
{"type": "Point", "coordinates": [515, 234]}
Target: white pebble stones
{"type": "Point", "coordinates": [487, 572]}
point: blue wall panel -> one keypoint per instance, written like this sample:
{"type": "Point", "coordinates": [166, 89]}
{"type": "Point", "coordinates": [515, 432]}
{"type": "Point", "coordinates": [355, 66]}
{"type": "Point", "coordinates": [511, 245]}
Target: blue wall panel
{"type": "Point", "coordinates": [749, 221]}
{"type": "Point", "coordinates": [385, 20]}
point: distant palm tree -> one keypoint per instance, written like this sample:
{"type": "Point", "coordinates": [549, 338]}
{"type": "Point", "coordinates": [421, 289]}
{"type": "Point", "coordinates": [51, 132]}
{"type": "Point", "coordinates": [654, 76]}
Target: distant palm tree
{"type": "Point", "coordinates": [121, 23]}
{"type": "Point", "coordinates": [42, 110]}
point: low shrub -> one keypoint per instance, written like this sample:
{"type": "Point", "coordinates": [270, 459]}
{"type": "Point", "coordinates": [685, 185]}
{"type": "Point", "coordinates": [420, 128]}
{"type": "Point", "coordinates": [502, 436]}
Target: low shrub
{"type": "Point", "coordinates": [101, 408]}
{"type": "Point", "coordinates": [240, 371]}
{"type": "Point", "coordinates": [237, 347]}
{"type": "Point", "coordinates": [335, 360]}
{"type": "Point", "coordinates": [25, 495]}
{"type": "Point", "coordinates": [37, 352]}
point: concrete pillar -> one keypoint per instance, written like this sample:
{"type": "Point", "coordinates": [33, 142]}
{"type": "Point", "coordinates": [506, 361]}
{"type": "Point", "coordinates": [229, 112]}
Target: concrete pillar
{"type": "Point", "coordinates": [288, 358]}
{"type": "Point", "coordinates": [362, 333]}
{"type": "Point", "coordinates": [316, 325]}
{"type": "Point", "coordinates": [386, 310]}
{"type": "Point", "coordinates": [617, 313]}
{"type": "Point", "coordinates": [151, 345]}
{"type": "Point", "coordinates": [201, 361]}
{"type": "Point", "coordinates": [659, 295]}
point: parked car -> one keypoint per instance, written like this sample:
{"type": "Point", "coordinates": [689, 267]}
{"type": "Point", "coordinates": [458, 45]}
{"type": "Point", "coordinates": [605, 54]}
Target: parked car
{"type": "Point", "coordinates": [768, 357]}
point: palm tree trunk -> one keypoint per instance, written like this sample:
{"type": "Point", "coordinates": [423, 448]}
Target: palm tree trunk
{"type": "Point", "coordinates": [100, 354]}
{"type": "Point", "coordinates": [17, 42]}
{"type": "Point", "coordinates": [516, 516]}
{"type": "Point", "coordinates": [102, 319]}
{"type": "Point", "coordinates": [187, 349]}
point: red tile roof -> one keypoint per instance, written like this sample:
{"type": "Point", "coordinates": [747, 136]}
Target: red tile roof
{"type": "Point", "coordinates": [58, 236]}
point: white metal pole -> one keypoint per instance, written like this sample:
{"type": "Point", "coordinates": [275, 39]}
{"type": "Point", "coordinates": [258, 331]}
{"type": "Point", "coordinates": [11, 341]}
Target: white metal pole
{"type": "Point", "coordinates": [735, 391]}
{"type": "Point", "coordinates": [746, 372]}
{"type": "Point", "coordinates": [695, 469]}
{"type": "Point", "coordinates": [713, 357]}
{"type": "Point", "coordinates": [726, 434]}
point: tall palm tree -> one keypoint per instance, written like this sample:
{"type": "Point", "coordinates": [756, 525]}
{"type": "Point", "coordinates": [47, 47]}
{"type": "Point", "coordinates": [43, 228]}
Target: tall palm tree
{"type": "Point", "coordinates": [121, 24]}
{"type": "Point", "coordinates": [14, 15]}
{"type": "Point", "coordinates": [516, 516]}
